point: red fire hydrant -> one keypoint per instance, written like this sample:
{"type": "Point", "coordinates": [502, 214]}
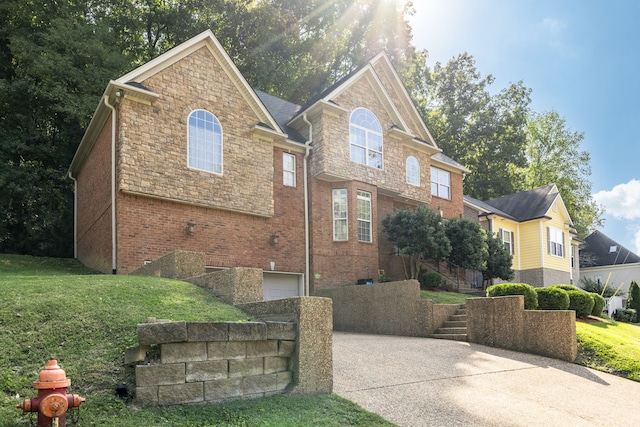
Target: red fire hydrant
{"type": "Point", "coordinates": [52, 401]}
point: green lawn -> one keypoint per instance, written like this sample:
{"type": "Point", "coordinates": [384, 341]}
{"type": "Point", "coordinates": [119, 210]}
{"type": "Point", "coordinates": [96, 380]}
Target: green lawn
{"type": "Point", "coordinates": [57, 308]}
{"type": "Point", "coordinates": [445, 297]}
{"type": "Point", "coordinates": [611, 347]}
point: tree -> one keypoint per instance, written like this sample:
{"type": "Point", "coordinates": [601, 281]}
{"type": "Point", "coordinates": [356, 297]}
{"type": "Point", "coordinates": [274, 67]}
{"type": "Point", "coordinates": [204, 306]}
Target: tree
{"type": "Point", "coordinates": [484, 132]}
{"type": "Point", "coordinates": [499, 260]}
{"type": "Point", "coordinates": [634, 297]}
{"type": "Point", "coordinates": [417, 234]}
{"type": "Point", "coordinates": [468, 243]}
{"type": "Point", "coordinates": [554, 156]}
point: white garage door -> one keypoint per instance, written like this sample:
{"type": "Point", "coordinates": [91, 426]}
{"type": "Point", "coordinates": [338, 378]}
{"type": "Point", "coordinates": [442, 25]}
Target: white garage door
{"type": "Point", "coordinates": [281, 285]}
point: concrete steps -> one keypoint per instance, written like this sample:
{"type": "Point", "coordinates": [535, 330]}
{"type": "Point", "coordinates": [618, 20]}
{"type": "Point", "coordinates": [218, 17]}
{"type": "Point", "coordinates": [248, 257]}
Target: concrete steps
{"type": "Point", "coordinates": [455, 328]}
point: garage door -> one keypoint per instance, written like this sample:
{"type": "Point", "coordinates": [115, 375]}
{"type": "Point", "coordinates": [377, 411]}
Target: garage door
{"type": "Point", "coordinates": [281, 285]}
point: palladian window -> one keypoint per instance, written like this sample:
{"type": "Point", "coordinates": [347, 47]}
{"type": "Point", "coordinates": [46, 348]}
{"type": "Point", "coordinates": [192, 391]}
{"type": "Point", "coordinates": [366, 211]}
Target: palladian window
{"type": "Point", "coordinates": [204, 135]}
{"type": "Point", "coordinates": [365, 138]}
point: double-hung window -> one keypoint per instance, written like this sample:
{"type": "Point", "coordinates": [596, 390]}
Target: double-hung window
{"type": "Point", "coordinates": [555, 239]}
{"type": "Point", "coordinates": [204, 134]}
{"type": "Point", "coordinates": [413, 171]}
{"type": "Point", "coordinates": [289, 169]}
{"type": "Point", "coordinates": [507, 240]}
{"type": "Point", "coordinates": [440, 183]}
{"type": "Point", "coordinates": [365, 138]}
{"type": "Point", "coordinates": [340, 224]}
{"type": "Point", "coordinates": [364, 216]}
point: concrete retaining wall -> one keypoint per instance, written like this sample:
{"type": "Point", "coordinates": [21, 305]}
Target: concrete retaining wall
{"type": "Point", "coordinates": [392, 308]}
{"type": "Point", "coordinates": [233, 286]}
{"type": "Point", "coordinates": [175, 265]}
{"type": "Point", "coordinates": [503, 322]}
{"type": "Point", "coordinates": [215, 361]}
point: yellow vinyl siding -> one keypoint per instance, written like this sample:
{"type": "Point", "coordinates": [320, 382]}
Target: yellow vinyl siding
{"type": "Point", "coordinates": [512, 226]}
{"type": "Point", "coordinates": [553, 261]}
{"type": "Point", "coordinates": [530, 245]}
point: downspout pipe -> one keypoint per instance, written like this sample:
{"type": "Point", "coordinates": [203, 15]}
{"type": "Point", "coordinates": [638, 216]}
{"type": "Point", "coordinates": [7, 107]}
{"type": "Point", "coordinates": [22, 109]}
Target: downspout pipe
{"type": "Point", "coordinates": [306, 205]}
{"type": "Point", "coordinates": [114, 265]}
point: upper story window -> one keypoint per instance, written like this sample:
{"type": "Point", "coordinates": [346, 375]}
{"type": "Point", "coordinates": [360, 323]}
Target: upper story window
{"type": "Point", "coordinates": [289, 169]}
{"type": "Point", "coordinates": [365, 138]}
{"type": "Point", "coordinates": [204, 134]}
{"type": "Point", "coordinates": [413, 171]}
{"type": "Point", "coordinates": [440, 183]}
{"type": "Point", "coordinates": [340, 224]}
{"type": "Point", "coordinates": [507, 240]}
{"type": "Point", "coordinates": [555, 239]}
{"type": "Point", "coordinates": [364, 216]}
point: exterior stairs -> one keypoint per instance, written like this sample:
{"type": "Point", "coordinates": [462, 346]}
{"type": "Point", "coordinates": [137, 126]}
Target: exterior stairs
{"type": "Point", "coordinates": [455, 328]}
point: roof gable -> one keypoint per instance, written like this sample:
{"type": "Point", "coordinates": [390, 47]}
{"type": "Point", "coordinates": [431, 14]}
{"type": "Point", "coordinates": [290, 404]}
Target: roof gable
{"type": "Point", "coordinates": [600, 250]}
{"type": "Point", "coordinates": [527, 205]}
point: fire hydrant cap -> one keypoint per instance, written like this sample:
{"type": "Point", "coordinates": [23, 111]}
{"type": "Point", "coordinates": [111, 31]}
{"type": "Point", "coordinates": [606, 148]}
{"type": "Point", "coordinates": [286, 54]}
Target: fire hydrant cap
{"type": "Point", "coordinates": [52, 377]}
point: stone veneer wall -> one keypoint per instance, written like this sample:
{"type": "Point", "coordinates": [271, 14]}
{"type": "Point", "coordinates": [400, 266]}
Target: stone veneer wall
{"type": "Point", "coordinates": [174, 265]}
{"type": "Point", "coordinates": [503, 322]}
{"type": "Point", "coordinates": [233, 286]}
{"type": "Point", "coordinates": [215, 361]}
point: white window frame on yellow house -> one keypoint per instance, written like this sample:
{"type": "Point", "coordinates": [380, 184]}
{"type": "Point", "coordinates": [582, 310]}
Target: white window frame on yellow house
{"type": "Point", "coordinates": [508, 239]}
{"type": "Point", "coordinates": [555, 242]}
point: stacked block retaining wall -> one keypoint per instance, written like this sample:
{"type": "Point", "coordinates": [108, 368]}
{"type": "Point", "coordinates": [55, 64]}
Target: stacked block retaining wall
{"type": "Point", "coordinates": [215, 361]}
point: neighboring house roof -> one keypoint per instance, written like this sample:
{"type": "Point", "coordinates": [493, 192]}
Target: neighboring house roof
{"type": "Point", "coordinates": [443, 159]}
{"type": "Point", "coordinates": [486, 209]}
{"type": "Point", "coordinates": [600, 250]}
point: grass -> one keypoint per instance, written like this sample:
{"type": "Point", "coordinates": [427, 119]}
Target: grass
{"type": "Point", "coordinates": [57, 308]}
{"type": "Point", "coordinates": [612, 347]}
{"type": "Point", "coordinates": [445, 297]}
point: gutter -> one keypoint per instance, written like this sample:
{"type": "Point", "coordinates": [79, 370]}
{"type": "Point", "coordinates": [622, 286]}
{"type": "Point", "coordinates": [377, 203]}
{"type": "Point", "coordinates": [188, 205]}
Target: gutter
{"type": "Point", "coordinates": [114, 265]}
{"type": "Point", "coordinates": [307, 148]}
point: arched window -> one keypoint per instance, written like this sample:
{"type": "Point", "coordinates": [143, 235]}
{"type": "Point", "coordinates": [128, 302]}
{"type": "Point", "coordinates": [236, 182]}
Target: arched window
{"type": "Point", "coordinates": [365, 138]}
{"type": "Point", "coordinates": [413, 171]}
{"type": "Point", "coordinates": [205, 142]}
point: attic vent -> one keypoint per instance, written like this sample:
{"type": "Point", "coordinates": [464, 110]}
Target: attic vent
{"type": "Point", "coordinates": [613, 249]}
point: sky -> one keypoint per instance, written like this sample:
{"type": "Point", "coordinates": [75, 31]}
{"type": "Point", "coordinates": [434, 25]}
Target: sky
{"type": "Point", "coordinates": [580, 58]}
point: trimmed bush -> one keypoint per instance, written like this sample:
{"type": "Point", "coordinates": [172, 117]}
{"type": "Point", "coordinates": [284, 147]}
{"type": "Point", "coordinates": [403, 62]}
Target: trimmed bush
{"type": "Point", "coordinates": [505, 289]}
{"type": "Point", "coordinates": [581, 302]}
{"type": "Point", "coordinates": [628, 315]}
{"type": "Point", "coordinates": [552, 298]}
{"type": "Point", "coordinates": [634, 296]}
{"type": "Point", "coordinates": [598, 306]}
{"type": "Point", "coordinates": [430, 279]}
{"type": "Point", "coordinates": [567, 287]}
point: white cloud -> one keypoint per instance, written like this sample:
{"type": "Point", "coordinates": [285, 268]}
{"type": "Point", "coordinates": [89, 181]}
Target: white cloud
{"type": "Point", "coordinates": [623, 201]}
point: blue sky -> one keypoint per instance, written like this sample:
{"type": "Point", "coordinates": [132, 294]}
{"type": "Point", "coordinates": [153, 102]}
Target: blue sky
{"type": "Point", "coordinates": [580, 58]}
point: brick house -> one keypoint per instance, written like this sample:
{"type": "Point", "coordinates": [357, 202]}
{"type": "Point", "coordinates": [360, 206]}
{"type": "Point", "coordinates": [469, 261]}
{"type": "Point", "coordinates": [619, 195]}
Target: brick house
{"type": "Point", "coordinates": [182, 154]}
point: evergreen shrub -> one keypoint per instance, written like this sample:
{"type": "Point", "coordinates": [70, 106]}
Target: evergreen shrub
{"type": "Point", "coordinates": [430, 279]}
{"type": "Point", "coordinates": [581, 302]}
{"type": "Point", "coordinates": [568, 287]}
{"type": "Point", "coordinates": [634, 296]}
{"type": "Point", "coordinates": [552, 298]}
{"type": "Point", "coordinates": [628, 315]}
{"type": "Point", "coordinates": [598, 305]}
{"type": "Point", "coordinates": [505, 289]}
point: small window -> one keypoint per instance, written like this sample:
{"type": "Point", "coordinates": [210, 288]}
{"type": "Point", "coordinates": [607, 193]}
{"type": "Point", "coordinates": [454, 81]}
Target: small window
{"type": "Point", "coordinates": [340, 229]}
{"type": "Point", "coordinates": [413, 171]}
{"type": "Point", "coordinates": [289, 169]}
{"type": "Point", "coordinates": [556, 242]}
{"type": "Point", "coordinates": [440, 183]}
{"type": "Point", "coordinates": [364, 216]}
{"type": "Point", "coordinates": [507, 240]}
{"type": "Point", "coordinates": [365, 138]}
{"type": "Point", "coordinates": [613, 249]}
{"type": "Point", "coordinates": [204, 134]}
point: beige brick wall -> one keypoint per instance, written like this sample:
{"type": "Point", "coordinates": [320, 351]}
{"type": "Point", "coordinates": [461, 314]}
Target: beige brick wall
{"type": "Point", "coordinates": [153, 147]}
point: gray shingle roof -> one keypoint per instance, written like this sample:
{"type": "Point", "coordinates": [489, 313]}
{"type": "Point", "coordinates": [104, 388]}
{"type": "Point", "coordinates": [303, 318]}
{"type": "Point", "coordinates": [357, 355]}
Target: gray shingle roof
{"type": "Point", "coordinates": [526, 205]}
{"type": "Point", "coordinates": [282, 111]}
{"type": "Point", "coordinates": [599, 250]}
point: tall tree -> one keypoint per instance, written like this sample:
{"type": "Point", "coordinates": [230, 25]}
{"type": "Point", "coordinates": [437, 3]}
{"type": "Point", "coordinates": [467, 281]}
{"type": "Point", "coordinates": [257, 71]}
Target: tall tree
{"type": "Point", "coordinates": [418, 234]}
{"type": "Point", "coordinates": [554, 156]}
{"type": "Point", "coordinates": [482, 131]}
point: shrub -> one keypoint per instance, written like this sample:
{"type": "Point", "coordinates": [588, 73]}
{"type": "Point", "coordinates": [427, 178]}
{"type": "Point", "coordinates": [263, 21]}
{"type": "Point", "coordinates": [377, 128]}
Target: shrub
{"type": "Point", "coordinates": [568, 287]}
{"type": "Point", "coordinates": [504, 289]}
{"type": "Point", "coordinates": [430, 279]}
{"type": "Point", "coordinates": [628, 315]}
{"type": "Point", "coordinates": [552, 298]}
{"type": "Point", "coordinates": [581, 302]}
{"type": "Point", "coordinates": [634, 296]}
{"type": "Point", "coordinates": [598, 305]}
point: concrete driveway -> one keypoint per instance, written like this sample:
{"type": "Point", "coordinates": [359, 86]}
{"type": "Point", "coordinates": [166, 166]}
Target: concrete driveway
{"type": "Point", "coordinates": [430, 382]}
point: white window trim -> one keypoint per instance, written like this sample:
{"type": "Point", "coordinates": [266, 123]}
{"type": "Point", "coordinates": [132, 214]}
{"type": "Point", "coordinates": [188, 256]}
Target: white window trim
{"type": "Point", "coordinates": [507, 238]}
{"type": "Point", "coordinates": [416, 176]}
{"type": "Point", "coordinates": [438, 184]}
{"type": "Point", "coordinates": [556, 242]}
{"type": "Point", "coordinates": [366, 147]}
{"type": "Point", "coordinates": [365, 196]}
{"type": "Point", "coordinates": [221, 143]}
{"type": "Point", "coordinates": [334, 196]}
{"type": "Point", "coordinates": [287, 172]}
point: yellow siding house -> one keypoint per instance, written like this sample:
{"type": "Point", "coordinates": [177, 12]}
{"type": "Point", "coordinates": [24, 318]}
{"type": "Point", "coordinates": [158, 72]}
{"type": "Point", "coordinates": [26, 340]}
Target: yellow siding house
{"type": "Point", "coordinates": [536, 228]}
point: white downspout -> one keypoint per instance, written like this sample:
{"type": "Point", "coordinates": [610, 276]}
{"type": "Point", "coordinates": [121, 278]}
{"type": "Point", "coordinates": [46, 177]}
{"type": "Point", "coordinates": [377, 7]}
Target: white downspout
{"type": "Point", "coordinates": [75, 215]}
{"type": "Point", "coordinates": [114, 259]}
{"type": "Point", "coordinates": [306, 204]}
